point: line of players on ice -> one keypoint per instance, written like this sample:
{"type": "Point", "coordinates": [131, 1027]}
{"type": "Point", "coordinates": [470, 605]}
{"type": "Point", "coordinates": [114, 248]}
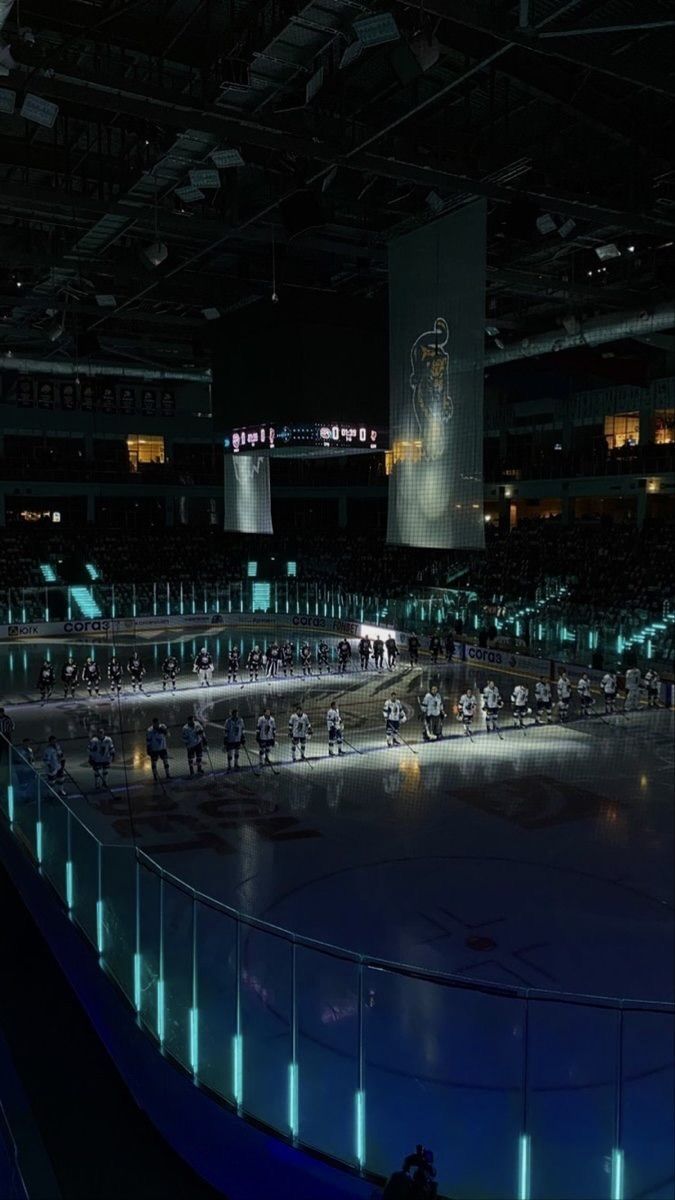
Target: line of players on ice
{"type": "Point", "coordinates": [274, 661]}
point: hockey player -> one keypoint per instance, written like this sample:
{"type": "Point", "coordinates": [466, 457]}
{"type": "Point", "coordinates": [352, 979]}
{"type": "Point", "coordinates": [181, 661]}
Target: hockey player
{"type": "Point", "coordinates": [136, 671]}
{"type": "Point", "coordinates": [434, 648]}
{"type": "Point", "coordinates": [335, 728]}
{"type": "Point", "coordinates": [378, 653]}
{"type": "Point", "coordinates": [55, 762]}
{"type": "Point", "coordinates": [234, 739]}
{"type": "Point", "coordinates": [323, 658]}
{"type": "Point", "coordinates": [233, 665]}
{"type": "Point", "coordinates": [170, 669]}
{"type": "Point", "coordinates": [194, 737]}
{"type": "Point", "coordinates": [392, 652]}
{"type": "Point", "coordinates": [365, 647]}
{"type": "Point", "coordinates": [466, 710]}
{"type": "Point", "coordinates": [155, 741]}
{"type": "Point", "coordinates": [564, 690]}
{"type": "Point", "coordinates": [115, 675]}
{"type": "Point", "coordinates": [254, 663]}
{"type": "Point", "coordinates": [542, 695]}
{"type": "Point", "coordinates": [394, 716]}
{"type": "Point", "coordinates": [519, 700]}
{"type": "Point", "coordinates": [272, 654]}
{"type": "Point", "coordinates": [306, 658]}
{"type": "Point", "coordinates": [203, 667]}
{"type": "Point", "coordinates": [449, 647]}
{"type": "Point", "coordinates": [492, 702]}
{"type": "Point", "coordinates": [45, 681]}
{"type": "Point", "coordinates": [101, 757]}
{"type": "Point", "coordinates": [653, 686]}
{"type": "Point", "coordinates": [287, 658]}
{"type": "Point", "coordinates": [266, 735]}
{"type": "Point", "coordinates": [585, 694]}
{"type": "Point", "coordinates": [608, 687]}
{"type": "Point", "coordinates": [91, 676]}
{"type": "Point", "coordinates": [344, 651]}
{"type": "Point", "coordinates": [299, 729]}
{"type": "Point", "coordinates": [632, 682]}
{"type": "Point", "coordinates": [69, 678]}
{"type": "Point", "coordinates": [432, 709]}
{"type": "Point", "coordinates": [413, 649]}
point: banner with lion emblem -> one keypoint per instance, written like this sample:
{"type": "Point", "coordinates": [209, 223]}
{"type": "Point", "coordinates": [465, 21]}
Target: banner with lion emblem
{"type": "Point", "coordinates": [436, 326]}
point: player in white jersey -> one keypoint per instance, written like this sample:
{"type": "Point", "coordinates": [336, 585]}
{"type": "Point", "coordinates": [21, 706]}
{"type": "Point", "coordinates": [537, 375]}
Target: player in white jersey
{"type": "Point", "coordinates": [203, 667]}
{"type": "Point", "coordinates": [394, 716]}
{"type": "Point", "coordinates": [585, 694]}
{"type": "Point", "coordinates": [653, 686]}
{"type": "Point", "coordinates": [433, 713]}
{"type": "Point", "coordinates": [54, 760]}
{"type": "Point", "coordinates": [632, 682]}
{"type": "Point", "coordinates": [156, 745]}
{"type": "Point", "coordinates": [194, 739]}
{"type": "Point", "coordinates": [234, 738]}
{"type": "Point", "coordinates": [101, 757]}
{"type": "Point", "coordinates": [564, 690]}
{"type": "Point", "coordinates": [520, 697]}
{"type": "Point", "coordinates": [266, 735]}
{"type": "Point", "coordinates": [492, 702]}
{"type": "Point", "coordinates": [335, 728]}
{"type": "Point", "coordinates": [608, 686]}
{"type": "Point", "coordinates": [542, 695]}
{"type": "Point", "coordinates": [466, 710]}
{"type": "Point", "coordinates": [299, 729]}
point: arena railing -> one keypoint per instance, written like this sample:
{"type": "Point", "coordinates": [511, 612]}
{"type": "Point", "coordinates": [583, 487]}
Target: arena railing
{"type": "Point", "coordinates": [548, 626]}
{"type": "Point", "coordinates": [522, 1092]}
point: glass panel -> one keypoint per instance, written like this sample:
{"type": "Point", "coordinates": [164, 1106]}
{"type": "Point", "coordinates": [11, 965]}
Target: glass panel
{"type": "Point", "coordinates": [84, 850]}
{"type": "Point", "coordinates": [149, 960]}
{"type": "Point", "coordinates": [266, 1025]}
{"type": "Point", "coordinates": [327, 1049]}
{"type": "Point", "coordinates": [648, 1122]}
{"type": "Point", "coordinates": [571, 1095]}
{"type": "Point", "coordinates": [55, 842]}
{"type": "Point", "coordinates": [447, 1062]}
{"type": "Point", "coordinates": [119, 915]}
{"type": "Point", "coordinates": [177, 943]}
{"type": "Point", "coordinates": [216, 998]}
{"type": "Point", "coordinates": [26, 784]}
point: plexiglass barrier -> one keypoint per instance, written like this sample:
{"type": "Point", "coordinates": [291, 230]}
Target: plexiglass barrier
{"type": "Point", "coordinates": [548, 625]}
{"type": "Point", "coordinates": [522, 1093]}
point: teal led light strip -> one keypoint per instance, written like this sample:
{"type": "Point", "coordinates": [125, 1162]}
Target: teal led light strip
{"type": "Point", "coordinates": [10, 804]}
{"type": "Point", "coordinates": [617, 1175]}
{"type": "Point", "coordinates": [238, 1068]}
{"type": "Point", "coordinates": [293, 1098]}
{"type": "Point", "coordinates": [360, 1127]}
{"type": "Point", "coordinates": [38, 842]}
{"type": "Point", "coordinates": [69, 885]}
{"type": "Point", "coordinates": [99, 925]}
{"type": "Point", "coordinates": [194, 1040]}
{"type": "Point", "coordinates": [524, 1167]}
{"type": "Point", "coordinates": [160, 1010]}
{"type": "Point", "coordinates": [137, 982]}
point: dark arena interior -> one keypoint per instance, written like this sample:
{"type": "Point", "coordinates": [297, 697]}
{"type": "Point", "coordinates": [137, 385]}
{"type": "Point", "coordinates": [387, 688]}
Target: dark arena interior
{"type": "Point", "coordinates": [337, 599]}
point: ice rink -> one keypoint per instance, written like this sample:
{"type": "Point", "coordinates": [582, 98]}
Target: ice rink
{"type": "Point", "coordinates": [537, 859]}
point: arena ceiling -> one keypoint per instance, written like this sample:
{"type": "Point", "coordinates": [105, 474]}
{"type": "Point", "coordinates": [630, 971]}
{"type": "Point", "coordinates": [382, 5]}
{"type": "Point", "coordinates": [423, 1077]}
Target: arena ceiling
{"type": "Point", "coordinates": [323, 148]}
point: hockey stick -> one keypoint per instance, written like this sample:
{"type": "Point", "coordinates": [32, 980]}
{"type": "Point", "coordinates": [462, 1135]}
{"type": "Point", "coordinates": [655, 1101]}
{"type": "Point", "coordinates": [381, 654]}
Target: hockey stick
{"type": "Point", "coordinates": [351, 747]}
{"type": "Point", "coordinates": [405, 742]}
{"type": "Point", "coordinates": [256, 770]}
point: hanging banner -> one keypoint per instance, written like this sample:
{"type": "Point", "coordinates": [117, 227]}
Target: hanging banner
{"type": "Point", "coordinates": [248, 503]}
{"type": "Point", "coordinates": [436, 332]}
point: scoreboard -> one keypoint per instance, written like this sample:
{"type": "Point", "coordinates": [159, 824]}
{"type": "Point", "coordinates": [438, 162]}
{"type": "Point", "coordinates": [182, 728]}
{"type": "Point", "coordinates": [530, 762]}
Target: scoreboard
{"type": "Point", "coordinates": [307, 436]}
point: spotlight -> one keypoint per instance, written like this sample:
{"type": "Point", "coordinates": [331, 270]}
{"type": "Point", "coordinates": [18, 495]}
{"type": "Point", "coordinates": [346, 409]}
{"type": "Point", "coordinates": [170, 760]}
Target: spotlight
{"type": "Point", "coordinates": [546, 224]}
{"type": "Point", "coordinates": [275, 298]}
{"type": "Point", "coordinates": [54, 330]}
{"type": "Point", "coordinates": [376, 30]}
{"type": "Point", "coordinates": [631, 249]}
{"type": "Point", "coordinates": [610, 250]}
{"type": "Point", "coordinates": [211, 314]}
{"type": "Point", "coordinates": [567, 228]}
{"type": "Point", "coordinates": [154, 253]}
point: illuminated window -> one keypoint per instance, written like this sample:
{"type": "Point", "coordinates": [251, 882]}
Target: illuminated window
{"type": "Point", "coordinates": [291, 569]}
{"type": "Point", "coordinates": [252, 569]}
{"type": "Point", "coordinates": [664, 426]}
{"type": "Point", "coordinates": [144, 448]}
{"type": "Point", "coordinates": [622, 429]}
{"type": "Point", "coordinates": [261, 597]}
